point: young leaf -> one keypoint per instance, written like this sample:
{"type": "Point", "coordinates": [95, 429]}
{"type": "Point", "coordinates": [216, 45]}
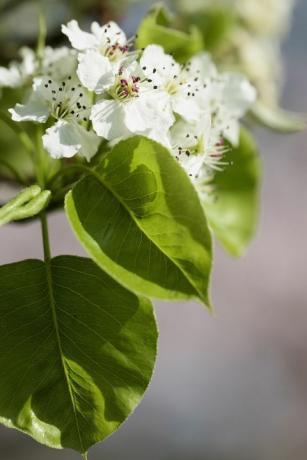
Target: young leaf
{"type": "Point", "coordinates": [140, 219]}
{"type": "Point", "coordinates": [157, 28]}
{"type": "Point", "coordinates": [233, 216]}
{"type": "Point", "coordinates": [28, 203]}
{"type": "Point", "coordinates": [77, 351]}
{"type": "Point", "coordinates": [279, 120]}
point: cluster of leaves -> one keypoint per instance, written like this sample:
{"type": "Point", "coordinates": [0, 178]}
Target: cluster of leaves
{"type": "Point", "coordinates": [79, 336]}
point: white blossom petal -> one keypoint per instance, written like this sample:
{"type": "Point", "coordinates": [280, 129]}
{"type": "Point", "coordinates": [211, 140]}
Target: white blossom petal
{"type": "Point", "coordinates": [231, 131]}
{"type": "Point", "coordinates": [66, 139]}
{"type": "Point", "coordinates": [34, 110]}
{"type": "Point", "coordinates": [157, 65]}
{"type": "Point", "coordinates": [89, 142]}
{"type": "Point", "coordinates": [95, 72]}
{"type": "Point", "coordinates": [238, 94]}
{"type": "Point", "coordinates": [10, 77]}
{"type": "Point", "coordinates": [188, 108]}
{"type": "Point", "coordinates": [59, 63]}
{"type": "Point", "coordinates": [79, 39]}
{"type": "Point", "coordinates": [110, 33]}
{"type": "Point", "coordinates": [108, 118]}
{"type": "Point", "coordinates": [61, 141]}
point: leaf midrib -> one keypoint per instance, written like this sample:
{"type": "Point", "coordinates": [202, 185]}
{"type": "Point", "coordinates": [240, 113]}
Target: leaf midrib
{"type": "Point", "coordinates": [59, 344]}
{"type": "Point", "coordinates": [197, 291]}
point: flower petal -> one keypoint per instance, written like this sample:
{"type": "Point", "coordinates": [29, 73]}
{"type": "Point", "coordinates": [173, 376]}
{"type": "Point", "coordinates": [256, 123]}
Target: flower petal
{"type": "Point", "coordinates": [188, 108]}
{"type": "Point", "coordinates": [95, 72]}
{"type": "Point", "coordinates": [34, 110]}
{"type": "Point", "coordinates": [238, 94]}
{"type": "Point", "coordinates": [89, 142]}
{"type": "Point", "coordinates": [157, 65]}
{"type": "Point", "coordinates": [59, 62]}
{"type": "Point", "coordinates": [79, 39]}
{"type": "Point", "coordinates": [110, 33]}
{"type": "Point", "coordinates": [108, 118]}
{"type": "Point", "coordinates": [66, 139]}
{"type": "Point", "coordinates": [10, 77]}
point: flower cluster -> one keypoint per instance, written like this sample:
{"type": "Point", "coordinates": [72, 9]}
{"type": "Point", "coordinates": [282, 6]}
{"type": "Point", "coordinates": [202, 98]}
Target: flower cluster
{"type": "Point", "coordinates": [103, 89]}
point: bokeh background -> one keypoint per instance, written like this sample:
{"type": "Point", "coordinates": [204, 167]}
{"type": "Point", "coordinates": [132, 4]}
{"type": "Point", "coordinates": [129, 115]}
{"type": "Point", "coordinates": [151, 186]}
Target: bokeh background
{"type": "Point", "coordinates": [232, 386]}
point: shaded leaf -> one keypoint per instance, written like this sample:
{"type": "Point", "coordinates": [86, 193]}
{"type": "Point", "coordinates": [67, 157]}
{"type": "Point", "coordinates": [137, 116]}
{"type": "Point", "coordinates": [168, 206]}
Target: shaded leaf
{"type": "Point", "coordinates": [77, 351]}
{"type": "Point", "coordinates": [233, 216]}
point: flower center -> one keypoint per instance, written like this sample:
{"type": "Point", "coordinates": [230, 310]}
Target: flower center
{"type": "Point", "coordinates": [115, 52]}
{"type": "Point", "coordinates": [125, 88]}
{"type": "Point", "coordinates": [67, 100]}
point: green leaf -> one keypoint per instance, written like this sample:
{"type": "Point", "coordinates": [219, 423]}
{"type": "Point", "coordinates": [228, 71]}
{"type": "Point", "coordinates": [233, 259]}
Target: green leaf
{"type": "Point", "coordinates": [77, 351]}
{"type": "Point", "coordinates": [140, 219]}
{"type": "Point", "coordinates": [234, 214]}
{"type": "Point", "coordinates": [278, 120]}
{"type": "Point", "coordinates": [215, 24]}
{"type": "Point", "coordinates": [157, 28]}
{"type": "Point", "coordinates": [28, 203]}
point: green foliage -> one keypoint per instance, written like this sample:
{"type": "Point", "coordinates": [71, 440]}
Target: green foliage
{"type": "Point", "coordinates": [214, 24]}
{"type": "Point", "coordinates": [77, 351]}
{"type": "Point", "coordinates": [233, 216]}
{"type": "Point", "coordinates": [157, 27]}
{"type": "Point", "coordinates": [140, 219]}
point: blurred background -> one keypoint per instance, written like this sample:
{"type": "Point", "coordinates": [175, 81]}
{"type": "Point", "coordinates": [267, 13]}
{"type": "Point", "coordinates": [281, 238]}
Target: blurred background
{"type": "Point", "coordinates": [232, 386]}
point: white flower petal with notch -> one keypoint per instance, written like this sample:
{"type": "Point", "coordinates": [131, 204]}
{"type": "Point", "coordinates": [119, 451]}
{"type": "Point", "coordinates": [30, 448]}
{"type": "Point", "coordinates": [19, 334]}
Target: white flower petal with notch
{"type": "Point", "coordinates": [79, 39]}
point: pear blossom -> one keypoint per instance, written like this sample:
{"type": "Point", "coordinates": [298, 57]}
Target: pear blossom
{"type": "Point", "coordinates": [182, 88]}
{"type": "Point", "coordinates": [58, 63]}
{"type": "Point", "coordinates": [231, 95]}
{"type": "Point", "coordinates": [101, 53]}
{"type": "Point", "coordinates": [198, 146]}
{"type": "Point", "coordinates": [66, 103]}
{"type": "Point", "coordinates": [129, 107]}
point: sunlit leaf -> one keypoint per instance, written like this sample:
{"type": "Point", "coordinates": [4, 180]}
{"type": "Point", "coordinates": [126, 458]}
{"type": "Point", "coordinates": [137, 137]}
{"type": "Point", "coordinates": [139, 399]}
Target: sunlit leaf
{"type": "Point", "coordinates": [140, 219]}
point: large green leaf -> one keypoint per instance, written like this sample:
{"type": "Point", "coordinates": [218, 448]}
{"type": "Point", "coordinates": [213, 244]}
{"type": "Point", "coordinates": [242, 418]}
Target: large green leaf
{"type": "Point", "coordinates": [233, 215]}
{"type": "Point", "coordinates": [157, 28]}
{"type": "Point", "coordinates": [77, 351]}
{"type": "Point", "coordinates": [140, 219]}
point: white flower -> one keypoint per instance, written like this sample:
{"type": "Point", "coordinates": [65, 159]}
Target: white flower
{"type": "Point", "coordinates": [198, 146]}
{"type": "Point", "coordinates": [58, 63]}
{"type": "Point", "coordinates": [236, 96]}
{"type": "Point", "coordinates": [68, 103]}
{"type": "Point", "coordinates": [102, 53]}
{"type": "Point", "coordinates": [182, 88]}
{"type": "Point", "coordinates": [131, 107]}
{"type": "Point", "coordinates": [229, 98]}
{"type": "Point", "coordinates": [102, 38]}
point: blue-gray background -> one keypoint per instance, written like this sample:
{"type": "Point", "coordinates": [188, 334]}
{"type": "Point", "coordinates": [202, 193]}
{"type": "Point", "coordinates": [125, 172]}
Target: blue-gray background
{"type": "Point", "coordinates": [232, 386]}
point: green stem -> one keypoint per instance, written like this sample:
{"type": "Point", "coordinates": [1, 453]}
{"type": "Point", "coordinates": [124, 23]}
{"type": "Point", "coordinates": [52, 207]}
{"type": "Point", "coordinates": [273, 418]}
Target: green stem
{"type": "Point", "coordinates": [39, 160]}
{"type": "Point", "coordinates": [39, 167]}
{"type": "Point", "coordinates": [84, 456]}
{"type": "Point", "coordinates": [45, 237]}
